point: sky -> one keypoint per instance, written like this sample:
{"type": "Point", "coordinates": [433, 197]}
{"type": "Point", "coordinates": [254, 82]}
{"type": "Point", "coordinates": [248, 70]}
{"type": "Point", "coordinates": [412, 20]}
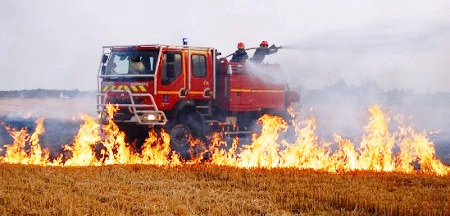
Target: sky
{"type": "Point", "coordinates": [398, 44]}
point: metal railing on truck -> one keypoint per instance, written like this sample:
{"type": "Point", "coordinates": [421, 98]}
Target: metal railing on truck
{"type": "Point", "coordinates": [139, 114]}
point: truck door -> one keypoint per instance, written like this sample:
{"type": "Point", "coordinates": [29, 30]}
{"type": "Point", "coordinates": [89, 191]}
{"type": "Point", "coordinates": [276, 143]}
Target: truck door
{"type": "Point", "coordinates": [201, 75]}
{"type": "Point", "coordinates": [172, 79]}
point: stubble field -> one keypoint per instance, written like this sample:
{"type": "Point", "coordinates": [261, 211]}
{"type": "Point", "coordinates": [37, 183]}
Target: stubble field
{"type": "Point", "coordinates": [213, 190]}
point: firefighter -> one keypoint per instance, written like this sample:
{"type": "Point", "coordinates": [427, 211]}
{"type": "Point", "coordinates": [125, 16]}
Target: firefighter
{"type": "Point", "coordinates": [240, 55]}
{"type": "Point", "coordinates": [262, 51]}
{"type": "Point", "coordinates": [136, 65]}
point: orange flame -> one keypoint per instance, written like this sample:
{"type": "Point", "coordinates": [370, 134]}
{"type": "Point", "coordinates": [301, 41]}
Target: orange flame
{"type": "Point", "coordinates": [306, 152]}
{"type": "Point", "coordinates": [378, 144]}
{"type": "Point", "coordinates": [375, 154]}
{"type": "Point", "coordinates": [16, 153]}
{"type": "Point", "coordinates": [220, 156]}
{"type": "Point", "coordinates": [82, 148]}
{"type": "Point", "coordinates": [116, 150]}
{"type": "Point", "coordinates": [263, 152]}
{"type": "Point", "coordinates": [156, 150]}
{"type": "Point", "coordinates": [417, 146]}
{"type": "Point", "coordinates": [267, 150]}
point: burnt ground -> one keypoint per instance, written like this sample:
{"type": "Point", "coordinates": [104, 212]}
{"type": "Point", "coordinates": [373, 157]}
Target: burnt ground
{"type": "Point", "coordinates": [57, 131]}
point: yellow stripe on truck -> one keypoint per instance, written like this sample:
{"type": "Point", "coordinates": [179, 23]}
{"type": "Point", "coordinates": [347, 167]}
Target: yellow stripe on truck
{"type": "Point", "coordinates": [142, 88]}
{"type": "Point", "coordinates": [241, 90]}
{"type": "Point", "coordinates": [195, 92]}
{"type": "Point", "coordinates": [168, 92]}
{"type": "Point", "coordinates": [135, 89]}
{"type": "Point", "coordinates": [258, 90]}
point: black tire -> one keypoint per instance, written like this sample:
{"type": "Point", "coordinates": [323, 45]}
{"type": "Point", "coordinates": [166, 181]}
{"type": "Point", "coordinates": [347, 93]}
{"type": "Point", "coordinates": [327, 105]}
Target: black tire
{"type": "Point", "coordinates": [180, 135]}
{"type": "Point", "coordinates": [188, 125]}
{"type": "Point", "coordinates": [191, 119]}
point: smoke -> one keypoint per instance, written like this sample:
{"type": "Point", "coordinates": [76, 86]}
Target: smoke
{"type": "Point", "coordinates": [401, 56]}
{"type": "Point", "coordinates": [373, 39]}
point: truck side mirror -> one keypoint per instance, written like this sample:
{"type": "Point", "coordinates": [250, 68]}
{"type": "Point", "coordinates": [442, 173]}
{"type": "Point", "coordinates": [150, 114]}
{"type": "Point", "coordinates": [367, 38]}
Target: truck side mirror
{"type": "Point", "coordinates": [104, 59]}
{"type": "Point", "coordinates": [103, 70]}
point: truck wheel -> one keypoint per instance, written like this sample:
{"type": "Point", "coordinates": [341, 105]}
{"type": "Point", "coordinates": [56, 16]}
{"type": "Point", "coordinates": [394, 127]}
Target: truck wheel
{"type": "Point", "coordinates": [180, 135]}
{"type": "Point", "coordinates": [188, 125]}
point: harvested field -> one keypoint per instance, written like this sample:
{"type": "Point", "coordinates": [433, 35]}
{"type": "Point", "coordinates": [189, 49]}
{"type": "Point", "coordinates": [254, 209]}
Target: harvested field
{"type": "Point", "coordinates": [213, 190]}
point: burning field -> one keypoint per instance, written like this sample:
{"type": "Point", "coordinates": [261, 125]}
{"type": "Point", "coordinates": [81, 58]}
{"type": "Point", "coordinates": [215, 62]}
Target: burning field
{"type": "Point", "coordinates": [391, 170]}
{"type": "Point", "coordinates": [380, 150]}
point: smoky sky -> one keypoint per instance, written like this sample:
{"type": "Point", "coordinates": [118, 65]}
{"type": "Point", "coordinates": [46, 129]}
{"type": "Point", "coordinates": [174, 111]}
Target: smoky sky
{"type": "Point", "coordinates": [395, 56]}
{"type": "Point", "coordinates": [54, 44]}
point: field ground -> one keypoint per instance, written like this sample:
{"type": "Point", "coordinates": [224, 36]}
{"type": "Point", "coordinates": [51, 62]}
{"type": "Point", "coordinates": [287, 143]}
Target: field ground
{"type": "Point", "coordinates": [56, 108]}
{"type": "Point", "coordinates": [212, 190]}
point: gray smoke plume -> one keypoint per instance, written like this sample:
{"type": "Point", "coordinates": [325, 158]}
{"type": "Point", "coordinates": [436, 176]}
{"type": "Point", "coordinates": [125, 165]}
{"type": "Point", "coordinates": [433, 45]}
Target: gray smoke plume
{"type": "Point", "coordinates": [409, 56]}
{"type": "Point", "coordinates": [383, 38]}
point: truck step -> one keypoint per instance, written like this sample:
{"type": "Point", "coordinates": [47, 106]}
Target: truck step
{"type": "Point", "coordinates": [202, 107]}
{"type": "Point", "coordinates": [206, 117]}
{"type": "Point", "coordinates": [204, 112]}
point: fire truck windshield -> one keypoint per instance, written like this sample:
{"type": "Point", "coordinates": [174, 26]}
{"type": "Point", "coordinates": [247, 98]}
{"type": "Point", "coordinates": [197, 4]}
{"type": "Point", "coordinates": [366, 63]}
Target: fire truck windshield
{"type": "Point", "coordinates": [136, 62]}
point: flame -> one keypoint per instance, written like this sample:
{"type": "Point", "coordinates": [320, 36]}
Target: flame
{"type": "Point", "coordinates": [16, 153]}
{"type": "Point", "coordinates": [156, 150]}
{"type": "Point", "coordinates": [375, 152]}
{"type": "Point", "coordinates": [116, 149]}
{"type": "Point", "coordinates": [221, 156]}
{"type": "Point", "coordinates": [380, 149]}
{"type": "Point", "coordinates": [263, 152]}
{"type": "Point", "coordinates": [417, 146]}
{"type": "Point", "coordinates": [37, 154]}
{"type": "Point", "coordinates": [377, 146]}
{"type": "Point", "coordinates": [82, 150]}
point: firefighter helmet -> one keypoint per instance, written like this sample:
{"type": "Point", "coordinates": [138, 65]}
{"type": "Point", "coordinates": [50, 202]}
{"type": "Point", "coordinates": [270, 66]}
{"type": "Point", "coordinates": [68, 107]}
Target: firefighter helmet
{"type": "Point", "coordinates": [264, 43]}
{"type": "Point", "coordinates": [241, 45]}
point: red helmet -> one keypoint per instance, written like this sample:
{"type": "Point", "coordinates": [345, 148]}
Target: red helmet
{"type": "Point", "coordinates": [264, 43]}
{"type": "Point", "coordinates": [241, 45]}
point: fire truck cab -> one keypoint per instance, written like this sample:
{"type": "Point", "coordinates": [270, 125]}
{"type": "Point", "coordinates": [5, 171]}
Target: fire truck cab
{"type": "Point", "coordinates": [185, 89]}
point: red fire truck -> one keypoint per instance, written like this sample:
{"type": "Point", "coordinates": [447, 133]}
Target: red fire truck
{"type": "Point", "coordinates": [186, 90]}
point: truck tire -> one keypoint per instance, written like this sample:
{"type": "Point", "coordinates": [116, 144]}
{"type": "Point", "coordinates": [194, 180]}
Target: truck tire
{"type": "Point", "coordinates": [180, 135]}
{"type": "Point", "coordinates": [188, 125]}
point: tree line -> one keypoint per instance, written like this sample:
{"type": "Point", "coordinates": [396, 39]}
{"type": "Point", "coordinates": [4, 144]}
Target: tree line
{"type": "Point", "coordinates": [46, 93]}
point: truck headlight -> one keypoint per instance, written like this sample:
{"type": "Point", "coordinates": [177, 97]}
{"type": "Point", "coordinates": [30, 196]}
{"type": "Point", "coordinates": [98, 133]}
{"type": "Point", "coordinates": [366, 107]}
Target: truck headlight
{"type": "Point", "coordinates": [151, 117]}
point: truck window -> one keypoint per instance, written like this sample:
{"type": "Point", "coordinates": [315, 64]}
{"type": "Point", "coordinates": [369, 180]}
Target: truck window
{"type": "Point", "coordinates": [199, 65]}
{"type": "Point", "coordinates": [172, 67]}
{"type": "Point", "coordinates": [132, 62]}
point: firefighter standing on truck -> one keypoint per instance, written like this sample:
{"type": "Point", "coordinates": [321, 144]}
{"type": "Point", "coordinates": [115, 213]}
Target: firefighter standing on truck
{"type": "Point", "coordinates": [262, 51]}
{"type": "Point", "coordinates": [240, 55]}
